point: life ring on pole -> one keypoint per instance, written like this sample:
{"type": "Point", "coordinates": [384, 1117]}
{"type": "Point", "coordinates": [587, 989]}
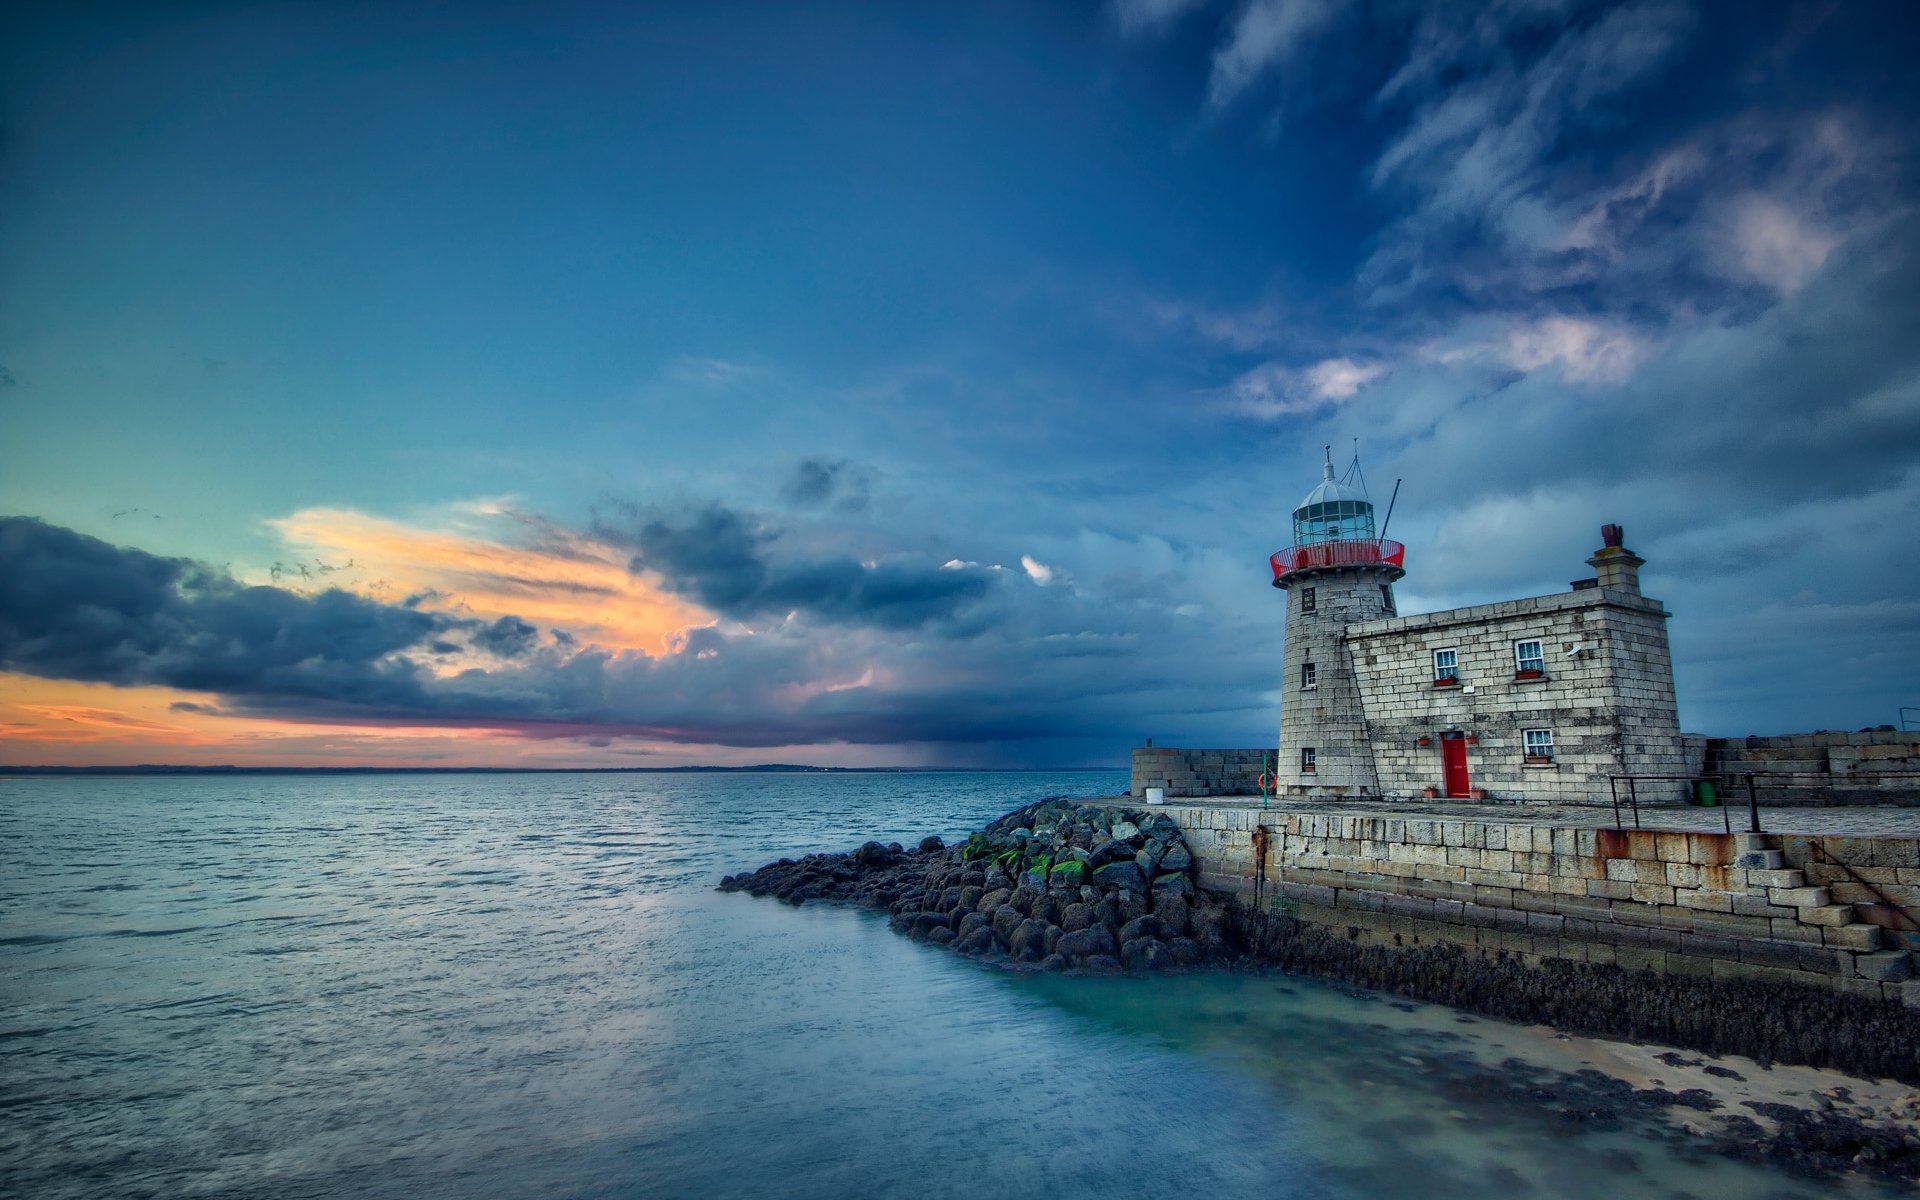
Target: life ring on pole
{"type": "Point", "coordinates": [1267, 782]}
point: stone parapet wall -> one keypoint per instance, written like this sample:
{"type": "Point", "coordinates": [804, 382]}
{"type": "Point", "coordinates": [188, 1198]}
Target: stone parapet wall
{"type": "Point", "coordinates": [1739, 906]}
{"type": "Point", "coordinates": [1195, 773]}
{"type": "Point", "coordinates": [1871, 767]}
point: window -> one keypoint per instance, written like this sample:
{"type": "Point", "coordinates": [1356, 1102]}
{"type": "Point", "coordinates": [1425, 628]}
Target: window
{"type": "Point", "coordinates": [1307, 754]}
{"type": "Point", "coordinates": [1386, 597]}
{"type": "Point", "coordinates": [1446, 667]}
{"type": "Point", "coordinates": [1309, 676]}
{"type": "Point", "coordinates": [1308, 602]}
{"type": "Point", "coordinates": [1539, 743]}
{"type": "Point", "coordinates": [1528, 658]}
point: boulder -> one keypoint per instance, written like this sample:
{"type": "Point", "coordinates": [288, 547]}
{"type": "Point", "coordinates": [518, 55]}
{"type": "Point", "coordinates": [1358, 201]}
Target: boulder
{"type": "Point", "coordinates": [1023, 898]}
{"type": "Point", "coordinates": [970, 896]}
{"type": "Point", "coordinates": [1053, 962]}
{"type": "Point", "coordinates": [1211, 921]}
{"type": "Point", "coordinates": [1109, 851]}
{"type": "Point", "coordinates": [927, 922]}
{"type": "Point", "coordinates": [1067, 876]}
{"type": "Point", "coordinates": [973, 921]}
{"type": "Point", "coordinates": [940, 935]}
{"type": "Point", "coordinates": [1170, 914]}
{"type": "Point", "coordinates": [1104, 964]}
{"type": "Point", "coordinates": [1184, 952]}
{"type": "Point", "coordinates": [957, 914]}
{"type": "Point", "coordinates": [1120, 875]}
{"type": "Point", "coordinates": [1029, 941]}
{"type": "Point", "coordinates": [994, 899]}
{"type": "Point", "coordinates": [1148, 856]}
{"type": "Point", "coordinates": [1177, 858]}
{"type": "Point", "coordinates": [931, 844]}
{"type": "Point", "coordinates": [872, 854]}
{"type": "Point", "coordinates": [1076, 916]}
{"type": "Point", "coordinates": [1143, 954]}
{"type": "Point", "coordinates": [1085, 943]}
{"type": "Point", "coordinates": [1139, 927]}
{"type": "Point", "coordinates": [1006, 919]}
{"type": "Point", "coordinates": [1130, 904]}
{"type": "Point", "coordinates": [1172, 885]}
{"type": "Point", "coordinates": [1047, 909]}
{"type": "Point", "coordinates": [976, 941]}
{"type": "Point", "coordinates": [1126, 831]}
{"type": "Point", "coordinates": [1053, 936]}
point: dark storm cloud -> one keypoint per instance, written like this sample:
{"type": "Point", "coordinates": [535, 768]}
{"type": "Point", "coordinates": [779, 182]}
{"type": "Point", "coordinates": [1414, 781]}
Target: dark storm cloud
{"type": "Point", "coordinates": [508, 637]}
{"type": "Point", "coordinates": [1047, 665]}
{"type": "Point", "coordinates": [74, 607]}
{"type": "Point", "coordinates": [720, 558]}
{"type": "Point", "coordinates": [817, 482]}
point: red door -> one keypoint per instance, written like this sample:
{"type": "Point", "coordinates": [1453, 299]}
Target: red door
{"type": "Point", "coordinates": [1453, 763]}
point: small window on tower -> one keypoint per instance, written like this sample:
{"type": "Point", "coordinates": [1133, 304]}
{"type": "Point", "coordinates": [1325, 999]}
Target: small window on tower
{"type": "Point", "coordinates": [1528, 661]}
{"type": "Point", "coordinates": [1307, 600]}
{"type": "Point", "coordinates": [1306, 760]}
{"type": "Point", "coordinates": [1386, 597]}
{"type": "Point", "coordinates": [1309, 676]}
{"type": "Point", "coordinates": [1446, 668]}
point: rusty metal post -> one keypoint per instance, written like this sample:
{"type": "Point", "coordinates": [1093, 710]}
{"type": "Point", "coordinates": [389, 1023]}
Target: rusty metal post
{"type": "Point", "coordinates": [1261, 840]}
{"type": "Point", "coordinates": [1753, 806]}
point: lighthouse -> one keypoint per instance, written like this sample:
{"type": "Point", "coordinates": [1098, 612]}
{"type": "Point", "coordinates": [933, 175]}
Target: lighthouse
{"type": "Point", "coordinates": [1337, 572]}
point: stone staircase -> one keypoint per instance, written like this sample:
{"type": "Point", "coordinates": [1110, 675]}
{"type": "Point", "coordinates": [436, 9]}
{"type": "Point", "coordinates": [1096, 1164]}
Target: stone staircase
{"type": "Point", "coordinates": [1767, 874]}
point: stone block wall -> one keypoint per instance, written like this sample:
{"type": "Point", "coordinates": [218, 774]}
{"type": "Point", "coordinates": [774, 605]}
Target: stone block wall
{"type": "Point", "coordinates": [1327, 717]}
{"type": "Point", "coordinates": [1198, 772]}
{"type": "Point", "coordinates": [1728, 906]}
{"type": "Point", "coordinates": [1815, 769]}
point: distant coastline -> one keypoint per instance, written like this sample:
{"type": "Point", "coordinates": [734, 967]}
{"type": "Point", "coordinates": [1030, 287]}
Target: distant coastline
{"type": "Point", "coordinates": [760, 768]}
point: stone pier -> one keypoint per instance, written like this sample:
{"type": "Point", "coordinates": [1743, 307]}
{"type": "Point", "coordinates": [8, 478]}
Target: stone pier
{"type": "Point", "coordinates": [1829, 901]}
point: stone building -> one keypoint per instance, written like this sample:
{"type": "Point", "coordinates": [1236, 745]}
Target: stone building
{"type": "Point", "coordinates": [1539, 699]}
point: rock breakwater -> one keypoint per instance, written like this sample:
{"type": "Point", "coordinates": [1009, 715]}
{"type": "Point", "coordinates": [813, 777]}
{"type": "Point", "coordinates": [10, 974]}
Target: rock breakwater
{"type": "Point", "coordinates": [1054, 885]}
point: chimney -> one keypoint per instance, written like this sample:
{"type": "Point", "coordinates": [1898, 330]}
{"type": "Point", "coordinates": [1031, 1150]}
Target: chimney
{"type": "Point", "coordinates": [1616, 566]}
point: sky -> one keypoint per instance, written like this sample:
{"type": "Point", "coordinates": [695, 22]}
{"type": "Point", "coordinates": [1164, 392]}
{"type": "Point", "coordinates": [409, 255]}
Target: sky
{"type": "Point", "coordinates": [908, 384]}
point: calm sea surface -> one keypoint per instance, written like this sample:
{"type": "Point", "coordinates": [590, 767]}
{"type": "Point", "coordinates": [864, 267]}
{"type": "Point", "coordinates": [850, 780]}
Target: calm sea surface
{"type": "Point", "coordinates": [514, 985]}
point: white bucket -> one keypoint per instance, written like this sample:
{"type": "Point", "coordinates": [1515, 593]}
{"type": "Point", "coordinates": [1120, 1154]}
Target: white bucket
{"type": "Point", "coordinates": [1156, 795]}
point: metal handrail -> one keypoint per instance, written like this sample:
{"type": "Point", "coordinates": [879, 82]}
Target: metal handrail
{"type": "Point", "coordinates": [1345, 552]}
{"type": "Point", "coordinates": [1633, 797]}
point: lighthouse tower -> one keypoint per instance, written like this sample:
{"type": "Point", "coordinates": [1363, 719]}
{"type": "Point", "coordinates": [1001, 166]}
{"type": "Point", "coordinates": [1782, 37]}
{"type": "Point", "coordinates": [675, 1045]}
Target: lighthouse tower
{"type": "Point", "coordinates": [1338, 571]}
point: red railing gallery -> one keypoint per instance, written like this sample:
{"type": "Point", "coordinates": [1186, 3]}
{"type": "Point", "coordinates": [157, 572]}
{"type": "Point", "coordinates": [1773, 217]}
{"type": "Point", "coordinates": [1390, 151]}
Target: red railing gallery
{"type": "Point", "coordinates": [1354, 552]}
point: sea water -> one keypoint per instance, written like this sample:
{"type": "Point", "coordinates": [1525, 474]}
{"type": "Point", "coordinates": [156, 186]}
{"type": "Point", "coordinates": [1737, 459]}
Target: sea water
{"type": "Point", "coordinates": [525, 985]}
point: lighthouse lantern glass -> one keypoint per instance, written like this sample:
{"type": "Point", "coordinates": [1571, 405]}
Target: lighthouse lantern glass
{"type": "Point", "coordinates": [1332, 520]}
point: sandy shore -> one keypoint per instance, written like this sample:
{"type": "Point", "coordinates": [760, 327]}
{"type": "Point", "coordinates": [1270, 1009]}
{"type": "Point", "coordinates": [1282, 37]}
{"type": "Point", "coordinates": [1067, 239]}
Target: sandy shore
{"type": "Point", "coordinates": [1783, 1100]}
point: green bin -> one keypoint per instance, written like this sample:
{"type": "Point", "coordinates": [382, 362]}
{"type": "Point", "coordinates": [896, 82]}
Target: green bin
{"type": "Point", "coordinates": [1704, 794]}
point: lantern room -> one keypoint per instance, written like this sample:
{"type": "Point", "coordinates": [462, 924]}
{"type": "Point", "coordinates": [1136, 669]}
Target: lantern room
{"type": "Point", "coordinates": [1332, 529]}
{"type": "Point", "coordinates": [1332, 512]}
